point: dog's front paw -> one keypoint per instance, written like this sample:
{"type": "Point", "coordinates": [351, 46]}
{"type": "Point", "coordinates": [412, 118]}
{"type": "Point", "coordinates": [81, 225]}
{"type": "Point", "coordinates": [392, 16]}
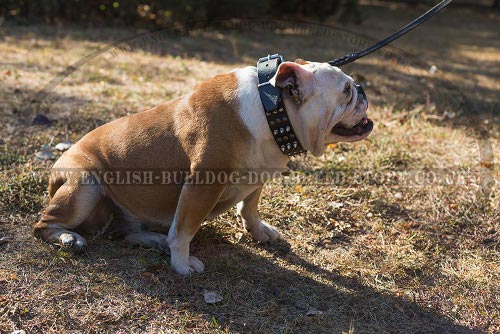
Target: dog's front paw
{"type": "Point", "coordinates": [264, 232]}
{"type": "Point", "coordinates": [193, 265]}
{"type": "Point", "coordinates": [73, 242]}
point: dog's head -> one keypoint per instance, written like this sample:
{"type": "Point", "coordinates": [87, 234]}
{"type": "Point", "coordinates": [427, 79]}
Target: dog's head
{"type": "Point", "coordinates": [325, 106]}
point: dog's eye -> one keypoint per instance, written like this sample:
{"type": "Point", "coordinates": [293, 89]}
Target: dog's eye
{"type": "Point", "coordinates": [347, 90]}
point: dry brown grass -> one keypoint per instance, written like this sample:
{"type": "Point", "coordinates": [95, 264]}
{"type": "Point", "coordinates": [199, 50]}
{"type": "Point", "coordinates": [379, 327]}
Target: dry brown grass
{"type": "Point", "coordinates": [394, 258]}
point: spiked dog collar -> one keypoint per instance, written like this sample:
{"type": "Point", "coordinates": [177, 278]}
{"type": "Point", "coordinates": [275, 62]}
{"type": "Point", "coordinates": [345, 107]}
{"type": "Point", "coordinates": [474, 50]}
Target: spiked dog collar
{"type": "Point", "coordinates": [274, 107]}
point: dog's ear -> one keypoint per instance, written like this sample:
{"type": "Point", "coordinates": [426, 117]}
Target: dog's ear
{"type": "Point", "coordinates": [294, 79]}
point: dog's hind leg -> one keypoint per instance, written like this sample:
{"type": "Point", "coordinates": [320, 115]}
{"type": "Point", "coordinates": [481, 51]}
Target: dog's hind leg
{"type": "Point", "coordinates": [71, 203]}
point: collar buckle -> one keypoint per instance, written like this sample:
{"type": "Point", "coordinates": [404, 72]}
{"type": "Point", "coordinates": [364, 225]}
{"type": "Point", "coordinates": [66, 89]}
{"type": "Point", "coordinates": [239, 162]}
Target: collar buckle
{"type": "Point", "coordinates": [276, 115]}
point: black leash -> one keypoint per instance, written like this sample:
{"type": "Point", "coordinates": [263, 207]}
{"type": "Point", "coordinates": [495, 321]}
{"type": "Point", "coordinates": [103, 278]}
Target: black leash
{"type": "Point", "coordinates": [276, 115]}
{"type": "Point", "coordinates": [415, 23]}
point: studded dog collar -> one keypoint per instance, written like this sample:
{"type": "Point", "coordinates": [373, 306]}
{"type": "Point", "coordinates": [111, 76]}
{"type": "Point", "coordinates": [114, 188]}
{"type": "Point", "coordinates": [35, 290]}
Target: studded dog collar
{"type": "Point", "coordinates": [274, 107]}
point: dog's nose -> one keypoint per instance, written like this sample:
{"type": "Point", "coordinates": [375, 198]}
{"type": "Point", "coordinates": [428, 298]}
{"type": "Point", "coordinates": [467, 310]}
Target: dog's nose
{"type": "Point", "coordinates": [361, 92]}
{"type": "Point", "coordinates": [361, 95]}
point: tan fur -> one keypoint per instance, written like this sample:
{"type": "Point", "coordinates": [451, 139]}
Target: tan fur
{"type": "Point", "coordinates": [186, 128]}
{"type": "Point", "coordinates": [301, 61]}
{"type": "Point", "coordinates": [220, 126]}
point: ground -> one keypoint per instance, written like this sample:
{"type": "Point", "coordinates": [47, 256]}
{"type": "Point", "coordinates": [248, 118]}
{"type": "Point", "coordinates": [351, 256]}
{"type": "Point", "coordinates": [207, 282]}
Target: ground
{"type": "Point", "coordinates": [361, 256]}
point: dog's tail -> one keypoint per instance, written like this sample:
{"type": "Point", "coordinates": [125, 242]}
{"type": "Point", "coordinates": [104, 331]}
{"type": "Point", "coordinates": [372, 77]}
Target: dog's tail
{"type": "Point", "coordinates": [56, 180]}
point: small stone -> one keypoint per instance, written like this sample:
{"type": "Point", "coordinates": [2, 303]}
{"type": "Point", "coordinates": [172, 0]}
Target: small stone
{"type": "Point", "coordinates": [18, 331]}
{"type": "Point", "coordinates": [63, 146]}
{"type": "Point", "coordinates": [398, 195]}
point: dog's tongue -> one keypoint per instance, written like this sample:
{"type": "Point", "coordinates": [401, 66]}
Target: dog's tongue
{"type": "Point", "coordinates": [360, 127]}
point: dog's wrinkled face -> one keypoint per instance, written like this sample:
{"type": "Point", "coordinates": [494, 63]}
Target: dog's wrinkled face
{"type": "Point", "coordinates": [325, 106]}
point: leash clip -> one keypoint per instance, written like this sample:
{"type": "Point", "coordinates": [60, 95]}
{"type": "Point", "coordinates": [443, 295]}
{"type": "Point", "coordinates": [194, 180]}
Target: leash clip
{"type": "Point", "coordinates": [271, 57]}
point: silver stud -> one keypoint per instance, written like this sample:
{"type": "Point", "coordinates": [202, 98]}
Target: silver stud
{"type": "Point", "coordinates": [282, 131]}
{"type": "Point", "coordinates": [287, 128]}
{"type": "Point", "coordinates": [295, 144]}
{"type": "Point", "coordinates": [283, 148]}
{"type": "Point", "coordinates": [275, 132]}
{"type": "Point", "coordinates": [288, 146]}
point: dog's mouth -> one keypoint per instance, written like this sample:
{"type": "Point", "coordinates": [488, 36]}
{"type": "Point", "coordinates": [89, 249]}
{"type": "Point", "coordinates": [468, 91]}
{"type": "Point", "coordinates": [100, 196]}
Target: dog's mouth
{"type": "Point", "coordinates": [364, 126]}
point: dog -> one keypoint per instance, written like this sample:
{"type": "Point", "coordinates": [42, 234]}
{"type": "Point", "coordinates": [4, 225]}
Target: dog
{"type": "Point", "coordinates": [220, 126]}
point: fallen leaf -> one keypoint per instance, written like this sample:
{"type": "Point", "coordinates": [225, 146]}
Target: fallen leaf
{"type": "Point", "coordinates": [312, 311]}
{"type": "Point", "coordinates": [336, 205]}
{"type": "Point", "coordinates": [411, 224]}
{"type": "Point", "coordinates": [433, 70]}
{"type": "Point", "coordinates": [7, 276]}
{"type": "Point", "coordinates": [449, 114]}
{"type": "Point", "coordinates": [44, 154]}
{"type": "Point", "coordinates": [18, 331]}
{"type": "Point", "coordinates": [398, 195]}
{"type": "Point", "coordinates": [211, 297]}
{"type": "Point", "coordinates": [486, 164]}
{"type": "Point", "coordinates": [4, 240]}
{"type": "Point", "coordinates": [150, 276]}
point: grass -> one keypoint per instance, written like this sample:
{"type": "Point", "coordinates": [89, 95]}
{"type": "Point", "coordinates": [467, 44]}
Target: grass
{"type": "Point", "coordinates": [391, 257]}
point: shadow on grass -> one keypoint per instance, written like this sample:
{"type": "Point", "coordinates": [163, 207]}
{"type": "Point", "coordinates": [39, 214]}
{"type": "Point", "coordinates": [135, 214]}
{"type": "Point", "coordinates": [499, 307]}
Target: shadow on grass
{"type": "Point", "coordinates": [266, 293]}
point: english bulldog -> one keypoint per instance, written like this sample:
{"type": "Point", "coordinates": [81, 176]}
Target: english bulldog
{"type": "Point", "coordinates": [220, 126]}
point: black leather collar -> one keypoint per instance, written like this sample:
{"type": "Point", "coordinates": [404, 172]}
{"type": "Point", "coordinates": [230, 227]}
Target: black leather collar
{"type": "Point", "coordinates": [276, 115]}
